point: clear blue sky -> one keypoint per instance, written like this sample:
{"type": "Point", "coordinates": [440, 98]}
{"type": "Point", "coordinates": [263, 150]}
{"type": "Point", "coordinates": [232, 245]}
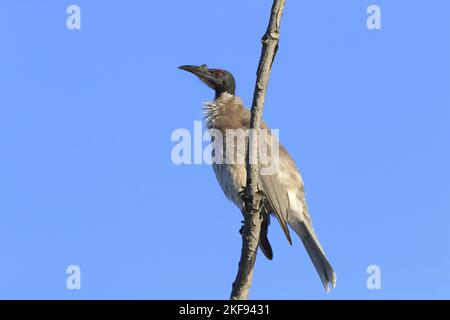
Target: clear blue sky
{"type": "Point", "coordinates": [86, 176]}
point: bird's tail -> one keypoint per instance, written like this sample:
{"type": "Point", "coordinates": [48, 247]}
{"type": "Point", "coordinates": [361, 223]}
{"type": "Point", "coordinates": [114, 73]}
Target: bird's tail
{"type": "Point", "coordinates": [264, 243]}
{"type": "Point", "coordinates": [316, 253]}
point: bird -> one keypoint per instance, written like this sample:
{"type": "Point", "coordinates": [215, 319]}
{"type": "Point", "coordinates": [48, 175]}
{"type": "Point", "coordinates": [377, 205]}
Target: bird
{"type": "Point", "coordinates": [282, 191]}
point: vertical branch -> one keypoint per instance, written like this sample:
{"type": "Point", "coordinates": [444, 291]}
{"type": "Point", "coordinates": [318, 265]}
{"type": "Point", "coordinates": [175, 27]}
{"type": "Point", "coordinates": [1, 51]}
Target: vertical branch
{"type": "Point", "coordinates": [252, 196]}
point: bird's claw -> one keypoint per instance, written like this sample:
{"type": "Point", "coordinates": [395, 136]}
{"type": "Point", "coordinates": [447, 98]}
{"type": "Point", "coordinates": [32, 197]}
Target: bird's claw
{"type": "Point", "coordinates": [241, 230]}
{"type": "Point", "coordinates": [247, 200]}
{"type": "Point", "coordinates": [261, 201]}
{"type": "Point", "coordinates": [243, 194]}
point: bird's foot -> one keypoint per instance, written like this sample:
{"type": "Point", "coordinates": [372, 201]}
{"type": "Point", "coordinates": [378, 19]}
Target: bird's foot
{"type": "Point", "coordinates": [243, 194]}
{"type": "Point", "coordinates": [246, 200]}
{"type": "Point", "coordinates": [260, 202]}
{"type": "Point", "coordinates": [248, 204]}
{"type": "Point", "coordinates": [241, 230]}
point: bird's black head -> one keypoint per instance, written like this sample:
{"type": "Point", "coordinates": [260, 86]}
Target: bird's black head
{"type": "Point", "coordinates": [217, 79]}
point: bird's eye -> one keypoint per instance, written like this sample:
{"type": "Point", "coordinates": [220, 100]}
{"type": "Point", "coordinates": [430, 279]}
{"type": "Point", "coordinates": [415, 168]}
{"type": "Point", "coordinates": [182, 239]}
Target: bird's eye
{"type": "Point", "coordinates": [218, 74]}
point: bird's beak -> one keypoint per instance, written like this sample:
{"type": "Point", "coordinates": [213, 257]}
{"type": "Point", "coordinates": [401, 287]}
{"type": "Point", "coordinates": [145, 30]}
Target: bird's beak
{"type": "Point", "coordinates": [203, 73]}
{"type": "Point", "coordinates": [194, 69]}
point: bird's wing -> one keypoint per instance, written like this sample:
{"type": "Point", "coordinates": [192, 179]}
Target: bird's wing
{"type": "Point", "coordinates": [273, 187]}
{"type": "Point", "coordinates": [278, 201]}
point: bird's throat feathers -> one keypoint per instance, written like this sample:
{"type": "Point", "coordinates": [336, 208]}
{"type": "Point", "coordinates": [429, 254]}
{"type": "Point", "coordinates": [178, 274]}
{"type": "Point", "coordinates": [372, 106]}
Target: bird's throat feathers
{"type": "Point", "coordinates": [220, 109]}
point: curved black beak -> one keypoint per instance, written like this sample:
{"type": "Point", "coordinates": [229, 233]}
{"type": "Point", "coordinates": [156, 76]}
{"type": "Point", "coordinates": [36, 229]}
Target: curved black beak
{"type": "Point", "coordinates": [193, 69]}
{"type": "Point", "coordinates": [202, 72]}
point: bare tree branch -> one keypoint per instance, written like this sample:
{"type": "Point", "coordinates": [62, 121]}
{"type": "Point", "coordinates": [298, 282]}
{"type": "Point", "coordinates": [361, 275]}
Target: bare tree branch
{"type": "Point", "coordinates": [252, 196]}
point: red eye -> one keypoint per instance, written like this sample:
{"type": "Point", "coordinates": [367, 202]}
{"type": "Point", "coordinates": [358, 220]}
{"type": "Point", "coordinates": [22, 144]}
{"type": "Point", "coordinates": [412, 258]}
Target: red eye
{"type": "Point", "coordinates": [218, 74]}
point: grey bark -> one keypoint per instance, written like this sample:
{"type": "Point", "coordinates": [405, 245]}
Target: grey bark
{"type": "Point", "coordinates": [252, 196]}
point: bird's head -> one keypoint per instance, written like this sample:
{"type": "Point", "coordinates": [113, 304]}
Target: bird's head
{"type": "Point", "coordinates": [217, 79]}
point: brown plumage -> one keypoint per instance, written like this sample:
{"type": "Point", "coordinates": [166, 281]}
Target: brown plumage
{"type": "Point", "coordinates": [282, 189]}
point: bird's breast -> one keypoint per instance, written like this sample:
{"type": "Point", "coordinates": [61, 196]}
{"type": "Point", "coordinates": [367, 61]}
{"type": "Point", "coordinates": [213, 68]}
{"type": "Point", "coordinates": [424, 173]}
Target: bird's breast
{"type": "Point", "coordinates": [232, 179]}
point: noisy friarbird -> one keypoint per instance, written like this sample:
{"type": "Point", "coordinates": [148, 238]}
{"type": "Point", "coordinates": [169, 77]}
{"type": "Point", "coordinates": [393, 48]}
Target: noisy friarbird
{"type": "Point", "coordinates": [283, 192]}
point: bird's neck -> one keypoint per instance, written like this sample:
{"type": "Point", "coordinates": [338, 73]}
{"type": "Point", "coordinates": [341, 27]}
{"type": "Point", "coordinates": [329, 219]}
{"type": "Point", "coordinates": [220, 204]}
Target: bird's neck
{"type": "Point", "coordinates": [212, 110]}
{"type": "Point", "coordinates": [224, 97]}
{"type": "Point", "coordinates": [228, 89]}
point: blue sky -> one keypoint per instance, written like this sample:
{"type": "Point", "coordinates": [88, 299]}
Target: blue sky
{"type": "Point", "coordinates": [86, 176]}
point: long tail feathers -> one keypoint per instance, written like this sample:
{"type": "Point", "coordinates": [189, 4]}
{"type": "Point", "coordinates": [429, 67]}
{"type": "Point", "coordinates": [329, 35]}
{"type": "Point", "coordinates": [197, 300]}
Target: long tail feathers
{"type": "Point", "coordinates": [315, 251]}
{"type": "Point", "coordinates": [264, 243]}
